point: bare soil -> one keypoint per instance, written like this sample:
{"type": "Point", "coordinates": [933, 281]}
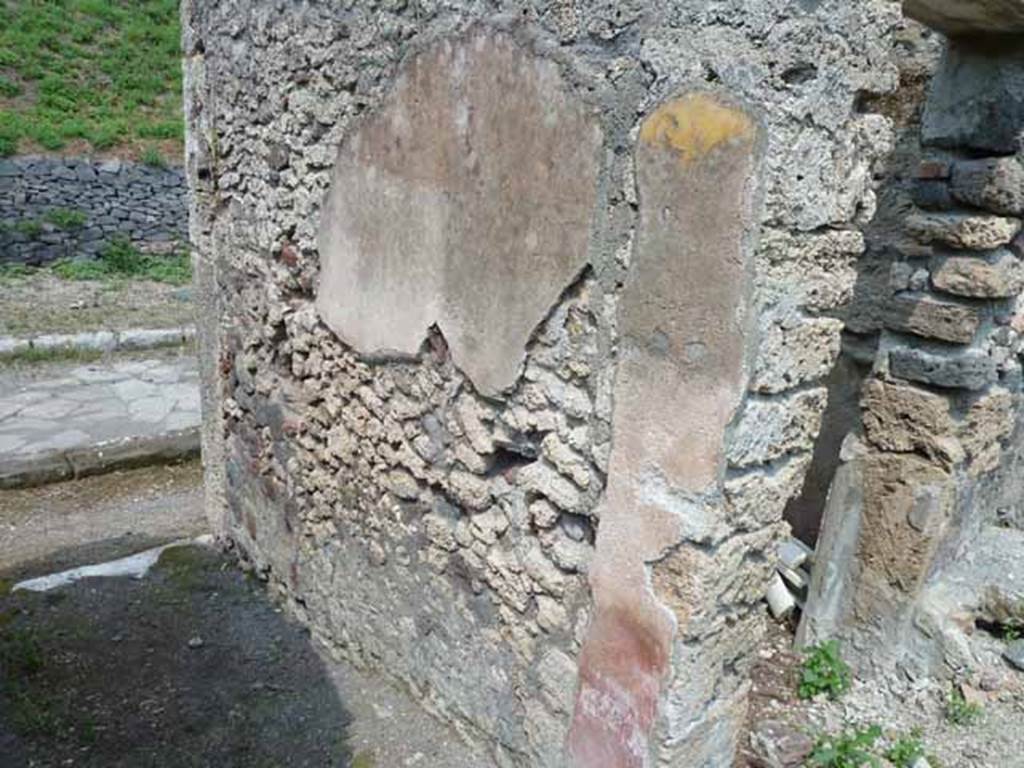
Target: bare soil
{"type": "Point", "coordinates": [44, 303]}
{"type": "Point", "coordinates": [102, 673]}
{"type": "Point", "coordinates": [190, 666]}
{"type": "Point", "coordinates": [59, 526]}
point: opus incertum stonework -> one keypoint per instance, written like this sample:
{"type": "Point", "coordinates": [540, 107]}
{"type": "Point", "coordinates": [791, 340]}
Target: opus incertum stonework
{"type": "Point", "coordinates": [520, 326]}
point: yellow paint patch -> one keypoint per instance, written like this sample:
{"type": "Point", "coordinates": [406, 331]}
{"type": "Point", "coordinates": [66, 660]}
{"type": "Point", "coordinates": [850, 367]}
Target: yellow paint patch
{"type": "Point", "coordinates": [694, 125]}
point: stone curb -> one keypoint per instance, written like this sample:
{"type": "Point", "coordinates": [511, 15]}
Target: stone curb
{"type": "Point", "coordinates": [101, 341]}
{"type": "Point", "coordinates": [87, 460]}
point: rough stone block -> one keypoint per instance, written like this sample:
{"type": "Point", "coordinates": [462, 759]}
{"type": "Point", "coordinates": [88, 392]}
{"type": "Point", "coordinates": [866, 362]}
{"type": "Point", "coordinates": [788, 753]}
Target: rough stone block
{"type": "Point", "coordinates": [775, 427]}
{"type": "Point", "coordinates": [904, 419]}
{"type": "Point", "coordinates": [965, 370]}
{"type": "Point", "coordinates": [977, 95]}
{"type": "Point", "coordinates": [995, 184]}
{"type": "Point", "coordinates": [816, 271]}
{"type": "Point", "coordinates": [932, 318]}
{"type": "Point", "coordinates": [989, 420]}
{"type": "Point", "coordinates": [908, 504]}
{"type": "Point", "coordinates": [968, 17]}
{"type": "Point", "coordinates": [1000, 277]}
{"type": "Point", "coordinates": [962, 230]}
{"type": "Point", "coordinates": [794, 350]}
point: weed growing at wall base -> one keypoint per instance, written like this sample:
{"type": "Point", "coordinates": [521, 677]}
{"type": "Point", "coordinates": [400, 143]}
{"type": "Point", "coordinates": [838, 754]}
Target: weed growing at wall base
{"type": "Point", "coordinates": [959, 711]}
{"type": "Point", "coordinates": [906, 750]}
{"type": "Point", "coordinates": [847, 750]}
{"type": "Point", "coordinates": [823, 671]}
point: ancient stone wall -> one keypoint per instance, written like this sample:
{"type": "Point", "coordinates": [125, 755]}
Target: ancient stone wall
{"type": "Point", "coordinates": [516, 325]}
{"type": "Point", "coordinates": [54, 208]}
{"type": "Point", "coordinates": [922, 536]}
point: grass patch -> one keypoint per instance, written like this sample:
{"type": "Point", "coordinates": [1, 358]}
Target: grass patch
{"type": "Point", "coordinates": [151, 156]}
{"type": "Point", "coordinates": [824, 671]}
{"type": "Point", "coordinates": [20, 654]}
{"type": "Point", "coordinates": [35, 355]}
{"type": "Point", "coordinates": [65, 218]}
{"type": "Point", "coordinates": [121, 260]}
{"type": "Point", "coordinates": [106, 71]}
{"type": "Point", "coordinates": [185, 567]}
{"type": "Point", "coordinates": [30, 227]}
{"type": "Point", "coordinates": [10, 273]}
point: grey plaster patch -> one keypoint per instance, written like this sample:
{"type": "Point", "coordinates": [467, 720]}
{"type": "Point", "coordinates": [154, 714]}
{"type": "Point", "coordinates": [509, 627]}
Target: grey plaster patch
{"type": "Point", "coordinates": [465, 202]}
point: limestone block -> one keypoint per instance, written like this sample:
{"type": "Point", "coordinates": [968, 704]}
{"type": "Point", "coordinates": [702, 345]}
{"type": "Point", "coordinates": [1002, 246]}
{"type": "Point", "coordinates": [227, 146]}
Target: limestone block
{"type": "Point", "coordinates": [968, 17]}
{"type": "Point", "coordinates": [771, 428]}
{"type": "Point", "coordinates": [908, 503]}
{"type": "Point", "coordinates": [904, 418]}
{"type": "Point", "coordinates": [977, 95]}
{"type": "Point", "coordinates": [989, 420]}
{"type": "Point", "coordinates": [995, 184]}
{"type": "Point", "coordinates": [793, 350]}
{"type": "Point", "coordinates": [965, 370]}
{"type": "Point", "coordinates": [464, 202]}
{"type": "Point", "coordinates": [816, 271]}
{"type": "Point", "coordinates": [962, 230]}
{"type": "Point", "coordinates": [543, 480]}
{"type": "Point", "coordinates": [932, 318]}
{"type": "Point", "coordinates": [754, 498]}
{"type": "Point", "coordinates": [998, 277]}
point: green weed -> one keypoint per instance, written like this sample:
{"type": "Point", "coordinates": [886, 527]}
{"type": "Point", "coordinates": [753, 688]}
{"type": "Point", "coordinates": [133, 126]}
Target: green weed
{"type": "Point", "coordinates": [852, 749]}
{"type": "Point", "coordinates": [823, 671]}
{"type": "Point", "coordinates": [14, 272]}
{"type": "Point", "coordinates": [64, 218]}
{"type": "Point", "coordinates": [152, 157]}
{"type": "Point", "coordinates": [35, 355]}
{"type": "Point", "coordinates": [122, 260]}
{"type": "Point", "coordinates": [30, 227]}
{"type": "Point", "coordinates": [906, 750]}
{"type": "Point", "coordinates": [959, 711]}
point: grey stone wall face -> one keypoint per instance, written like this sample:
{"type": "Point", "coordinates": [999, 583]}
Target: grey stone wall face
{"type": "Point", "coordinates": [445, 537]}
{"type": "Point", "coordinates": [116, 198]}
{"type": "Point", "coordinates": [923, 526]}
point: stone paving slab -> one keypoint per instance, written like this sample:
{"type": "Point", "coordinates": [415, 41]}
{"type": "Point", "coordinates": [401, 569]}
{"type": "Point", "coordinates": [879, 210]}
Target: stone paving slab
{"type": "Point", "coordinates": [90, 418]}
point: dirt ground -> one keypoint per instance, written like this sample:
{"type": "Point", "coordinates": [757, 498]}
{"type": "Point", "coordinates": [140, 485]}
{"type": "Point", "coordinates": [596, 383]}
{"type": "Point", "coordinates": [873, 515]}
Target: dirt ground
{"type": "Point", "coordinates": [54, 527]}
{"type": "Point", "coordinates": [42, 303]}
{"type": "Point", "coordinates": [191, 665]}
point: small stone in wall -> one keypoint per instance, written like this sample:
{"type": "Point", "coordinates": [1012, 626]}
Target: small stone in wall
{"type": "Point", "coordinates": [932, 318]}
{"type": "Point", "coordinates": [995, 184]}
{"type": "Point", "coordinates": [989, 421]}
{"type": "Point", "coordinates": [976, 277]}
{"type": "Point", "coordinates": [962, 230]}
{"type": "Point", "coordinates": [904, 418]}
{"type": "Point", "coordinates": [966, 370]}
{"type": "Point", "coordinates": [469, 490]}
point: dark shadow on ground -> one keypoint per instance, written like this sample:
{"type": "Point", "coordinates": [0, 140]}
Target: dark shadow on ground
{"type": "Point", "coordinates": [189, 666]}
